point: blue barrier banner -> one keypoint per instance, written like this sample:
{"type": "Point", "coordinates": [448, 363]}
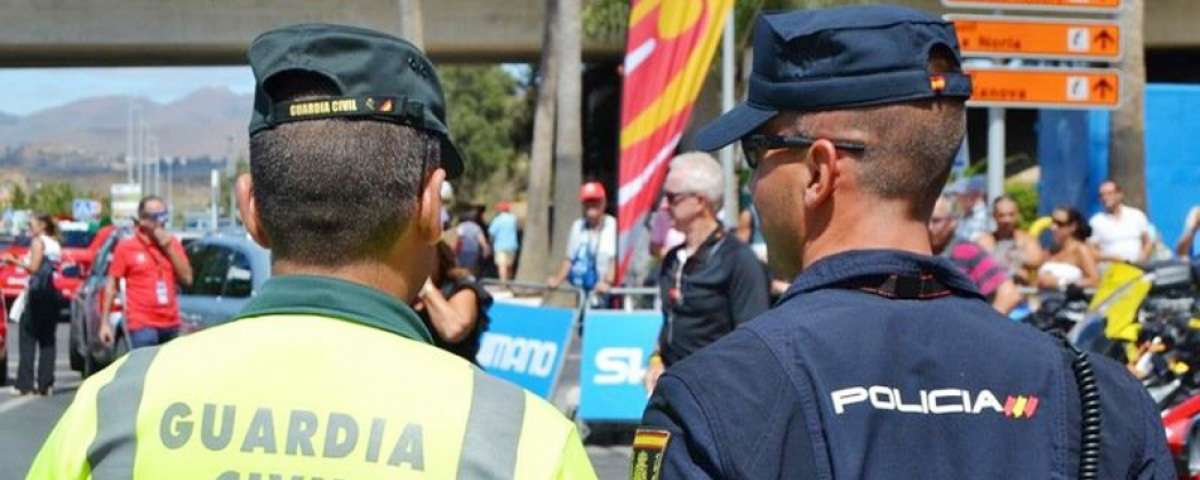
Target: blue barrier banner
{"type": "Point", "coordinates": [526, 345]}
{"type": "Point", "coordinates": [616, 348]}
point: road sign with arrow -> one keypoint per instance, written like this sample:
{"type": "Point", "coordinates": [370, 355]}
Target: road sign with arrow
{"type": "Point", "coordinates": [1037, 37]}
{"type": "Point", "coordinates": [1045, 88]}
{"type": "Point", "coordinates": [1091, 6]}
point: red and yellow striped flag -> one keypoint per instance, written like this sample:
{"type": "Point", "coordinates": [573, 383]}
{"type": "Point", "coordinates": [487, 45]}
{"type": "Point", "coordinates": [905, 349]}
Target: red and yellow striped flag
{"type": "Point", "coordinates": [670, 46]}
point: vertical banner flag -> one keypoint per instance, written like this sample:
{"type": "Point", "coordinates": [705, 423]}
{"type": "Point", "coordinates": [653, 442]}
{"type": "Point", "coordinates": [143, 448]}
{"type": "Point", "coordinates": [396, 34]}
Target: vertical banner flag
{"type": "Point", "coordinates": [671, 44]}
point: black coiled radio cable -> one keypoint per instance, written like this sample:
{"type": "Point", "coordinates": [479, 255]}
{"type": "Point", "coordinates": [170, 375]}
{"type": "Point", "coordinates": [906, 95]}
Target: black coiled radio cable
{"type": "Point", "coordinates": [1089, 399]}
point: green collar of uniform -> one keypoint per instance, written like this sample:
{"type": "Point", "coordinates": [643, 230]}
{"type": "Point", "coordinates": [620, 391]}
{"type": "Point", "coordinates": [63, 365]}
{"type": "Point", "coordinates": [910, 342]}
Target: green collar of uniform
{"type": "Point", "coordinates": [331, 297]}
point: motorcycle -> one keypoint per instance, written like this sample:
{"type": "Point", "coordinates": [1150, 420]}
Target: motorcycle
{"type": "Point", "coordinates": [1148, 318]}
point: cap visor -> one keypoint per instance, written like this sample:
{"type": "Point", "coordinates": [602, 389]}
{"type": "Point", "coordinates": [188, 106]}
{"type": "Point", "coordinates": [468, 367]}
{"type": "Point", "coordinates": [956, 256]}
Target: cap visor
{"type": "Point", "coordinates": [731, 126]}
{"type": "Point", "coordinates": [452, 159]}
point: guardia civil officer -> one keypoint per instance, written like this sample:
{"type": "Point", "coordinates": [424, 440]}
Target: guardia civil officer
{"type": "Point", "coordinates": [881, 361]}
{"type": "Point", "coordinates": [327, 373]}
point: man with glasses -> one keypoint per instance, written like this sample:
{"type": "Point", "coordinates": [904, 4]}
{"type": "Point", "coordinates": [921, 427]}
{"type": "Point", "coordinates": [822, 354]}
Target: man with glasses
{"type": "Point", "coordinates": [153, 264]}
{"type": "Point", "coordinates": [712, 282]}
{"type": "Point", "coordinates": [881, 361]}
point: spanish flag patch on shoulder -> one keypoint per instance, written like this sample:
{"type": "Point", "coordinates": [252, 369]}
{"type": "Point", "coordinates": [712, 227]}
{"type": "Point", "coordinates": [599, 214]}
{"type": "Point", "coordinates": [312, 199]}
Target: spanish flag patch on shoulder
{"type": "Point", "coordinates": [649, 446]}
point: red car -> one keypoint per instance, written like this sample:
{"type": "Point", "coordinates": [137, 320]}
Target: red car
{"type": "Point", "coordinates": [3, 342]}
{"type": "Point", "coordinates": [78, 252]}
{"type": "Point", "coordinates": [1183, 436]}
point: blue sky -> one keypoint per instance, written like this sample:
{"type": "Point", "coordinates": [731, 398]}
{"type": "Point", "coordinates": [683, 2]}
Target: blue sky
{"type": "Point", "coordinates": [28, 90]}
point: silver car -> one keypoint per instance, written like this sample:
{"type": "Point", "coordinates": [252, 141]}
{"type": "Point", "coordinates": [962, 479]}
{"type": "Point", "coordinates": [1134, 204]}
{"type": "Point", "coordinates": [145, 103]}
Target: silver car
{"type": "Point", "coordinates": [228, 268]}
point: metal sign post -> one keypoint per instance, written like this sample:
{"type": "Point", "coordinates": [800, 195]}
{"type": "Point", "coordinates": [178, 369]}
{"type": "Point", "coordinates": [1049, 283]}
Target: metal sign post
{"type": "Point", "coordinates": [995, 158]}
{"type": "Point", "coordinates": [727, 101]}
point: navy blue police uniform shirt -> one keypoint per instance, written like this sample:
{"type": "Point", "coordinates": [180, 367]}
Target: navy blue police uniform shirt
{"type": "Point", "coordinates": [841, 382]}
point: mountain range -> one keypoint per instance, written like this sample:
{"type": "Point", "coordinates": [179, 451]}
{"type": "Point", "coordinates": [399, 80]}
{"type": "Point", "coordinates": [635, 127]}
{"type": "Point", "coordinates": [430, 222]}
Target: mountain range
{"type": "Point", "coordinates": [95, 129]}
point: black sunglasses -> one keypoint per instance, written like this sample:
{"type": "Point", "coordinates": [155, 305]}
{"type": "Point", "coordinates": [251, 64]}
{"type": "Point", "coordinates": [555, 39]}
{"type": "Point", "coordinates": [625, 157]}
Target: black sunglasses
{"type": "Point", "coordinates": [754, 146]}
{"type": "Point", "coordinates": [673, 197]}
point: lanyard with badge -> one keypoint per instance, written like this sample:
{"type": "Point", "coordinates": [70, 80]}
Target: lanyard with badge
{"type": "Point", "coordinates": [682, 256]}
{"type": "Point", "coordinates": [160, 286]}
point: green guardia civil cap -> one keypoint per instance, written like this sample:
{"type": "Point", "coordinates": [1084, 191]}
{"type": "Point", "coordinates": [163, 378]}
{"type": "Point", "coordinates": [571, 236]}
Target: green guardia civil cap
{"type": "Point", "coordinates": [379, 77]}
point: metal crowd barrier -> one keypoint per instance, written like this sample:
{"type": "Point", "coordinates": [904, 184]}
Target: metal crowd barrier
{"type": "Point", "coordinates": [631, 295]}
{"type": "Point", "coordinates": [533, 290]}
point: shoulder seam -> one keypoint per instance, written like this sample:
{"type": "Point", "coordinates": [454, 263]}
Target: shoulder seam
{"type": "Point", "coordinates": [707, 419]}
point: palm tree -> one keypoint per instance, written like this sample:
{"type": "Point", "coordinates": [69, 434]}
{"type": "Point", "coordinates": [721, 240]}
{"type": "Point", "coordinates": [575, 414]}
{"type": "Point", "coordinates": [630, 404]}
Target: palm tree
{"type": "Point", "coordinates": [535, 264]}
{"type": "Point", "coordinates": [1127, 151]}
{"type": "Point", "coordinates": [568, 140]}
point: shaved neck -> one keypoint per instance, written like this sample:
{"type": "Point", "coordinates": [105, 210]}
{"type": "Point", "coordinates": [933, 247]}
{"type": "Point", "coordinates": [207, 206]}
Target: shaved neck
{"type": "Point", "coordinates": [866, 223]}
{"type": "Point", "coordinates": [855, 218]}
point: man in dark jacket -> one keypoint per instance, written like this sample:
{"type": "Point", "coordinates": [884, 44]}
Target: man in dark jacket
{"type": "Point", "coordinates": [881, 361]}
{"type": "Point", "coordinates": [712, 282]}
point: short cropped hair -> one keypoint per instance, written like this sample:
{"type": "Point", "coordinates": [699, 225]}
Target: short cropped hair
{"type": "Point", "coordinates": [146, 200]}
{"type": "Point", "coordinates": [701, 174]}
{"type": "Point", "coordinates": [911, 145]}
{"type": "Point", "coordinates": [336, 191]}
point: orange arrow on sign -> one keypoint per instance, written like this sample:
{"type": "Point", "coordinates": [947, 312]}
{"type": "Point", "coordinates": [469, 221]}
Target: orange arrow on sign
{"type": "Point", "coordinates": [1056, 5]}
{"type": "Point", "coordinates": [1044, 88]}
{"type": "Point", "coordinates": [997, 36]}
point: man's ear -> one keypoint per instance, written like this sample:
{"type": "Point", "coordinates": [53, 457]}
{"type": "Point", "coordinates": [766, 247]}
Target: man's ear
{"type": "Point", "coordinates": [248, 210]}
{"type": "Point", "coordinates": [824, 172]}
{"type": "Point", "coordinates": [429, 212]}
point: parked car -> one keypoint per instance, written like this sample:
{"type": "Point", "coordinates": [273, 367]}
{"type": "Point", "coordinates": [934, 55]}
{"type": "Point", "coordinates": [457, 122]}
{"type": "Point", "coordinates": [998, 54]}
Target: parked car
{"type": "Point", "coordinates": [12, 277]}
{"type": "Point", "coordinates": [3, 342]}
{"type": "Point", "coordinates": [228, 268]}
{"type": "Point", "coordinates": [78, 251]}
{"type": "Point", "coordinates": [87, 355]}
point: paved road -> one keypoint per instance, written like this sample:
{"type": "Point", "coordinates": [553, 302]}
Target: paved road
{"type": "Point", "coordinates": [26, 421]}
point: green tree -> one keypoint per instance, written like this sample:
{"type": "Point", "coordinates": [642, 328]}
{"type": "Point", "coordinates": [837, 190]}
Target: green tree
{"type": "Point", "coordinates": [488, 113]}
{"type": "Point", "coordinates": [20, 200]}
{"type": "Point", "coordinates": [54, 198]}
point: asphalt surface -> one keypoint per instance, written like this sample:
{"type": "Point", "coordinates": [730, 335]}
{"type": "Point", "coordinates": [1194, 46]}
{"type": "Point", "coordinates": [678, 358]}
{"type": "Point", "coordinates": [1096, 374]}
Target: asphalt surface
{"type": "Point", "coordinates": [26, 421]}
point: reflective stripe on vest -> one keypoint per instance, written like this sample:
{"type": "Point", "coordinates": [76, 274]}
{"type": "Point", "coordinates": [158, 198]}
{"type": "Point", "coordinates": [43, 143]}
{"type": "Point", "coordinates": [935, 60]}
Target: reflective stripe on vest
{"type": "Point", "coordinates": [489, 448]}
{"type": "Point", "coordinates": [146, 414]}
{"type": "Point", "coordinates": [111, 453]}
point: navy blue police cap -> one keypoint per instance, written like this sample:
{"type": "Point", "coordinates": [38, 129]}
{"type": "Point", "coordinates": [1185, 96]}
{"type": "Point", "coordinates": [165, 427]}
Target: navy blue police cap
{"type": "Point", "coordinates": [837, 58]}
{"type": "Point", "coordinates": [379, 77]}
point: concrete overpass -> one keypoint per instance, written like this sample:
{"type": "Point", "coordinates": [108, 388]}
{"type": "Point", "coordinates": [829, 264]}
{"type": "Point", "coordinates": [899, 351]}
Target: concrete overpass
{"type": "Point", "coordinates": [215, 32]}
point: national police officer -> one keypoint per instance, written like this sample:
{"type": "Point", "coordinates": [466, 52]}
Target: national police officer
{"type": "Point", "coordinates": [327, 373]}
{"type": "Point", "coordinates": [881, 361]}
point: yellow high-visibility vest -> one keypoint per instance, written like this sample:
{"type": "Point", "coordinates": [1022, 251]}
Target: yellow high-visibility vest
{"type": "Point", "coordinates": [318, 378]}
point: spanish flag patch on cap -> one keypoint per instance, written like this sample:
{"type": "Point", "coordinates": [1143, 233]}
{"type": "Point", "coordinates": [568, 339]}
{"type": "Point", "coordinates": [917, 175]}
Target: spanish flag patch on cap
{"type": "Point", "coordinates": [649, 445]}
